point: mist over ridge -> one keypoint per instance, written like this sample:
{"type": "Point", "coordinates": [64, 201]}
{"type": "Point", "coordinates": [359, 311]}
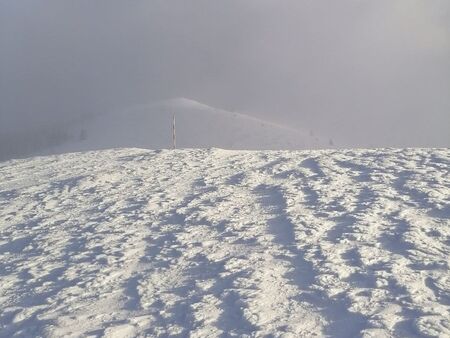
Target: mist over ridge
{"type": "Point", "coordinates": [362, 73]}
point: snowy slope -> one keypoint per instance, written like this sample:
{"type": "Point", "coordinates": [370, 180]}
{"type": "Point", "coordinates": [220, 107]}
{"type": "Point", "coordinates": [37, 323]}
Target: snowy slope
{"type": "Point", "coordinates": [131, 242]}
{"type": "Point", "coordinates": [198, 126]}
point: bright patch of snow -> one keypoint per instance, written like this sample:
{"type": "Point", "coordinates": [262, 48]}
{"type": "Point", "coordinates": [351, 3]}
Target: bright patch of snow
{"type": "Point", "coordinates": [130, 242]}
{"type": "Point", "coordinates": [198, 126]}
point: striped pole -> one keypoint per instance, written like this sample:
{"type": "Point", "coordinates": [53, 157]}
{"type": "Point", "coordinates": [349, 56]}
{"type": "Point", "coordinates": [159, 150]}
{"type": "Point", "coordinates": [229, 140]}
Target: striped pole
{"type": "Point", "coordinates": [174, 133]}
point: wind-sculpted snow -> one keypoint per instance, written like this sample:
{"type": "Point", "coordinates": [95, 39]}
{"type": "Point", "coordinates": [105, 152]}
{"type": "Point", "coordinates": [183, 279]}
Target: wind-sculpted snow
{"type": "Point", "coordinates": [208, 243]}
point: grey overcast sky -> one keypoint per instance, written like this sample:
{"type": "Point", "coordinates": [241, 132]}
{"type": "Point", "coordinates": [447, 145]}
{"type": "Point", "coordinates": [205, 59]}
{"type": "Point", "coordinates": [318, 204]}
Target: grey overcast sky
{"type": "Point", "coordinates": [364, 72]}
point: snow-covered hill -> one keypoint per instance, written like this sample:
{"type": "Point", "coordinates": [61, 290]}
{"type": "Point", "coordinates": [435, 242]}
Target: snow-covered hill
{"type": "Point", "coordinates": [131, 242]}
{"type": "Point", "coordinates": [198, 126]}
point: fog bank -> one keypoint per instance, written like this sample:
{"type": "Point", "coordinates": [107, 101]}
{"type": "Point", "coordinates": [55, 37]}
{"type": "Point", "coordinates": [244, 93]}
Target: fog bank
{"type": "Point", "coordinates": [365, 73]}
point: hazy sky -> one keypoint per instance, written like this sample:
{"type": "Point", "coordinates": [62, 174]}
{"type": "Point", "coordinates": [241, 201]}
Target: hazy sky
{"type": "Point", "coordinates": [364, 72]}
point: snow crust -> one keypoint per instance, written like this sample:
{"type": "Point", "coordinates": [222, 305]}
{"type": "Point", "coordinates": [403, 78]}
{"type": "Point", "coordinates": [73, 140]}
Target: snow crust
{"type": "Point", "coordinates": [206, 243]}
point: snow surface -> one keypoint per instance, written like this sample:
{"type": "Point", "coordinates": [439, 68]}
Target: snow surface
{"type": "Point", "coordinates": [198, 126]}
{"type": "Point", "coordinates": [132, 242]}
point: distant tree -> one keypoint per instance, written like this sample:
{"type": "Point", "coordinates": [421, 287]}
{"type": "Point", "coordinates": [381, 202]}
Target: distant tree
{"type": "Point", "coordinates": [83, 135]}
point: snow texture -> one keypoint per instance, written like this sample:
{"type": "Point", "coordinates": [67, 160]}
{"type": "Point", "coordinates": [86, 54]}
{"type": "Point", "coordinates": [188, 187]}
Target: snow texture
{"type": "Point", "coordinates": [207, 243]}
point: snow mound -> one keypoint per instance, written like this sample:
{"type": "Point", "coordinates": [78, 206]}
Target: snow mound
{"type": "Point", "coordinates": [132, 242]}
{"type": "Point", "coordinates": [198, 126]}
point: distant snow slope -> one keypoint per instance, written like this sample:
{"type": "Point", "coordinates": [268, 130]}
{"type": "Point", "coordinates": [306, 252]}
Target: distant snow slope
{"type": "Point", "coordinates": [198, 126]}
{"type": "Point", "coordinates": [130, 242]}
